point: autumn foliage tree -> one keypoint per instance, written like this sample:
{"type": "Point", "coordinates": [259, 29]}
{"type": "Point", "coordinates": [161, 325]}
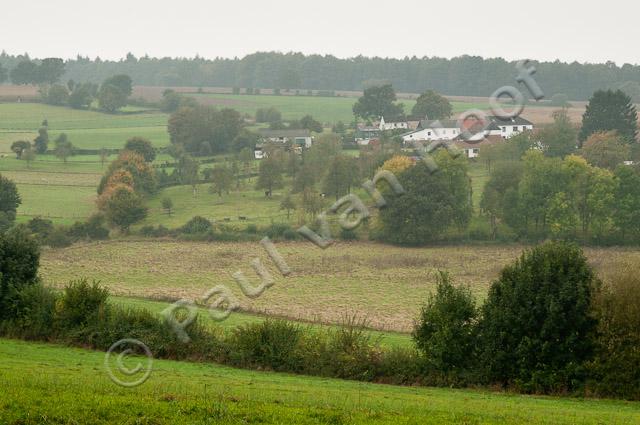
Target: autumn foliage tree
{"type": "Point", "coordinates": [123, 188]}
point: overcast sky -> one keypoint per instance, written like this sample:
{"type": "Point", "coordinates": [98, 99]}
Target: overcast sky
{"type": "Point", "coordinates": [547, 30]}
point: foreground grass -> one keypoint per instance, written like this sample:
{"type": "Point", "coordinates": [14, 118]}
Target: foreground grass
{"type": "Point", "coordinates": [52, 384]}
{"type": "Point", "coordinates": [385, 284]}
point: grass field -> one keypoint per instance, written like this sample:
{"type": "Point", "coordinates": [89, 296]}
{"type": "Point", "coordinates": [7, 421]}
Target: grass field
{"type": "Point", "coordinates": [86, 129]}
{"type": "Point", "coordinates": [324, 109]}
{"type": "Point", "coordinates": [386, 285]}
{"type": "Point", "coordinates": [52, 384]}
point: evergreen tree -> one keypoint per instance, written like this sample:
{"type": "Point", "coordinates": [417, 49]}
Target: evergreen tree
{"type": "Point", "coordinates": [610, 110]}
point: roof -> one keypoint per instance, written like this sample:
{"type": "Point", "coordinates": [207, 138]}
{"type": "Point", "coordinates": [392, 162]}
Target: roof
{"type": "Point", "coordinates": [437, 124]}
{"type": "Point", "coordinates": [283, 133]}
{"type": "Point", "coordinates": [497, 121]}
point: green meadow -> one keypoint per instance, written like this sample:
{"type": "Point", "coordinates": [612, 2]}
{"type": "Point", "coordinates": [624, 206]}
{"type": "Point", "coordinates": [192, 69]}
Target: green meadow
{"type": "Point", "coordinates": [44, 383]}
{"type": "Point", "coordinates": [324, 109]}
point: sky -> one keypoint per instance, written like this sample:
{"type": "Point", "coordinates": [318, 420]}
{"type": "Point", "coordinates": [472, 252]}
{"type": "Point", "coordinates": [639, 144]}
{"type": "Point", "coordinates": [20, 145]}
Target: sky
{"type": "Point", "coordinates": [569, 30]}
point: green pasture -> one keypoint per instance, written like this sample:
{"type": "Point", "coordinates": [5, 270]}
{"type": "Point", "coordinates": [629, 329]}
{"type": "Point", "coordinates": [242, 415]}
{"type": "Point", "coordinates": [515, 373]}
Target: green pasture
{"type": "Point", "coordinates": [324, 109]}
{"type": "Point", "coordinates": [45, 383]}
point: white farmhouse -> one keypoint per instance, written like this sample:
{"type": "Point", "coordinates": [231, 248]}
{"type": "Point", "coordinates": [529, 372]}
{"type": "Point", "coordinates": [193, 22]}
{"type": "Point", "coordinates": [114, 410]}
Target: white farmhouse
{"type": "Point", "coordinates": [433, 130]}
{"type": "Point", "coordinates": [509, 127]}
{"type": "Point", "coordinates": [386, 126]}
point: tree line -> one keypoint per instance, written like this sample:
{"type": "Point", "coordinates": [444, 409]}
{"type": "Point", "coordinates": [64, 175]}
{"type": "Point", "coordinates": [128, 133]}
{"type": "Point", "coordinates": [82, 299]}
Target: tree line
{"type": "Point", "coordinates": [464, 75]}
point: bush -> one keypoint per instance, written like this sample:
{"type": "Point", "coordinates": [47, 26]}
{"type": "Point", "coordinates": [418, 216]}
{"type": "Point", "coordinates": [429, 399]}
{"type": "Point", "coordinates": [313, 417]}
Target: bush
{"type": "Point", "coordinates": [348, 235]}
{"type": "Point", "coordinates": [82, 306]}
{"type": "Point", "coordinates": [19, 261]}
{"type": "Point", "coordinates": [33, 316]}
{"type": "Point", "coordinates": [93, 229]}
{"type": "Point", "coordinates": [445, 332]}
{"type": "Point", "coordinates": [616, 367]}
{"type": "Point", "coordinates": [197, 225]}
{"type": "Point", "coordinates": [272, 344]}
{"type": "Point", "coordinates": [536, 330]}
{"type": "Point", "coordinates": [58, 238]}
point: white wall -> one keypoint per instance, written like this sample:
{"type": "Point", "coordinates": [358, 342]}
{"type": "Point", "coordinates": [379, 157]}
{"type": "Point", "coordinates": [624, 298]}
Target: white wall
{"type": "Point", "coordinates": [432, 134]}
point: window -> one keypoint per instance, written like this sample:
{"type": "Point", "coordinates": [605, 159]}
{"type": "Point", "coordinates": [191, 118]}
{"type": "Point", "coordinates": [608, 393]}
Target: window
{"type": "Point", "coordinates": [515, 128]}
{"type": "Point", "coordinates": [504, 129]}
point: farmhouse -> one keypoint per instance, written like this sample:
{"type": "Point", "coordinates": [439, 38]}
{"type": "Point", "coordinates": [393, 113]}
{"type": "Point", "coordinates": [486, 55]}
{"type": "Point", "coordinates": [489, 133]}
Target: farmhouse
{"type": "Point", "coordinates": [433, 130]}
{"type": "Point", "coordinates": [301, 138]}
{"type": "Point", "coordinates": [496, 129]}
{"type": "Point", "coordinates": [386, 126]}
{"type": "Point", "coordinates": [509, 127]}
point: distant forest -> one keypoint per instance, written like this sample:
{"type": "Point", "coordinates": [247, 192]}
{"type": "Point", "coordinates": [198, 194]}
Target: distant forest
{"type": "Point", "coordinates": [464, 76]}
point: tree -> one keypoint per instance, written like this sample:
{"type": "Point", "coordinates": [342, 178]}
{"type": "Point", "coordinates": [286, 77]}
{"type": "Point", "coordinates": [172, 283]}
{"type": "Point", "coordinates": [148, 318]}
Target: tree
{"type": "Point", "coordinates": [189, 172]}
{"type": "Point", "coordinates": [341, 176]}
{"type": "Point", "coordinates": [50, 71]}
{"type": "Point", "coordinates": [304, 179]}
{"type": "Point", "coordinates": [167, 205]}
{"type": "Point", "coordinates": [9, 202]}
{"type": "Point", "coordinates": [431, 105]}
{"type": "Point", "coordinates": [288, 204]}
{"type": "Point", "coordinates": [559, 139]}
{"type": "Point", "coordinates": [610, 110]}
{"type": "Point", "coordinates": [431, 204]}
{"type": "Point", "coordinates": [536, 324]}
{"type": "Point", "coordinates": [141, 146]}
{"type": "Point", "coordinates": [222, 179]}
{"type": "Point", "coordinates": [270, 176]}
{"type": "Point", "coordinates": [268, 115]}
{"type": "Point", "coordinates": [4, 74]}
{"type": "Point", "coordinates": [310, 124]}
{"type": "Point", "coordinates": [445, 332]}
{"type": "Point", "coordinates": [111, 98]}
{"type": "Point", "coordinates": [627, 202]}
{"type": "Point", "coordinates": [397, 164]}
{"type": "Point", "coordinates": [24, 73]}
{"type": "Point", "coordinates": [123, 207]}
{"type": "Point", "coordinates": [41, 142]}
{"type": "Point", "coordinates": [104, 155]}
{"type": "Point", "coordinates": [57, 94]}
{"type": "Point", "coordinates": [28, 155]}
{"type": "Point", "coordinates": [20, 146]}
{"type": "Point", "coordinates": [64, 148]}
{"type": "Point", "coordinates": [122, 82]}
{"type": "Point", "coordinates": [190, 126]}
{"type": "Point", "coordinates": [605, 150]}
{"type": "Point", "coordinates": [142, 173]}
{"type": "Point", "coordinates": [19, 261]}
{"type": "Point", "coordinates": [82, 95]}
{"type": "Point", "coordinates": [378, 101]}
{"type": "Point", "coordinates": [245, 140]}
{"type": "Point", "coordinates": [503, 180]}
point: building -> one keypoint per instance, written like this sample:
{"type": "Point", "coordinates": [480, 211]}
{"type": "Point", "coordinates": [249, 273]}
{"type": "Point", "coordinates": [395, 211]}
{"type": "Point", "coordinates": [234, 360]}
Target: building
{"type": "Point", "coordinates": [387, 126]}
{"type": "Point", "coordinates": [509, 127]}
{"type": "Point", "coordinates": [301, 138]}
{"type": "Point", "coordinates": [430, 130]}
{"type": "Point", "coordinates": [495, 130]}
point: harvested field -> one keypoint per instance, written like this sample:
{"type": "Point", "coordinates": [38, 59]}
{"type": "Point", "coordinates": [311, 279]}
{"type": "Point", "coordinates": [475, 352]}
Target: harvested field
{"type": "Point", "coordinates": [386, 284]}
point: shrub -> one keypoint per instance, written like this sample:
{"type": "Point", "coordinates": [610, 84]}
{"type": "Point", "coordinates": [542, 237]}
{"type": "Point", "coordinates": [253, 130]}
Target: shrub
{"type": "Point", "coordinates": [616, 367]}
{"type": "Point", "coordinates": [58, 238]}
{"type": "Point", "coordinates": [536, 328]}
{"type": "Point", "coordinates": [348, 235]}
{"type": "Point", "coordinates": [272, 344]}
{"type": "Point", "coordinates": [277, 230]}
{"type": "Point", "coordinates": [445, 332]}
{"type": "Point", "coordinates": [81, 306]}
{"type": "Point", "coordinates": [19, 261]}
{"type": "Point", "coordinates": [33, 315]}
{"type": "Point", "coordinates": [196, 225]}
